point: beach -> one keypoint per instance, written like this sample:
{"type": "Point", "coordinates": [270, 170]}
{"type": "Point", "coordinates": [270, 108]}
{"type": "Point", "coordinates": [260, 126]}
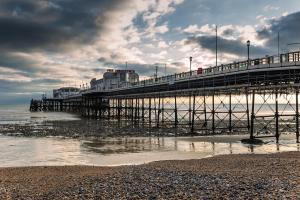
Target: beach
{"type": "Point", "coordinates": [264, 176]}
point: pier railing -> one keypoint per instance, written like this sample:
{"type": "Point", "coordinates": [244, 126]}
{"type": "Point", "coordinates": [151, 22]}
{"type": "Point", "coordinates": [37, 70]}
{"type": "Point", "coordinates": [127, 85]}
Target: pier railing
{"type": "Point", "coordinates": [253, 64]}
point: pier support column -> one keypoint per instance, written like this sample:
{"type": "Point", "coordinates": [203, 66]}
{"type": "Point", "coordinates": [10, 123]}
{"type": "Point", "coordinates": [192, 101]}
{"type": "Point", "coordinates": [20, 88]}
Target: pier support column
{"type": "Point", "coordinates": [119, 109]}
{"type": "Point", "coordinates": [247, 109]}
{"type": "Point", "coordinates": [175, 111]}
{"type": "Point", "coordinates": [252, 116]}
{"type": "Point", "coordinates": [162, 111]}
{"type": "Point", "coordinates": [193, 115]}
{"type": "Point", "coordinates": [230, 114]}
{"type": "Point", "coordinates": [297, 114]}
{"type": "Point", "coordinates": [126, 108]}
{"type": "Point", "coordinates": [132, 110]}
{"type": "Point", "coordinates": [205, 111]}
{"type": "Point", "coordinates": [158, 112]}
{"type": "Point", "coordinates": [190, 110]}
{"type": "Point", "coordinates": [213, 113]}
{"type": "Point", "coordinates": [276, 116]}
{"type": "Point", "coordinates": [150, 112]}
{"type": "Point", "coordinates": [143, 110]}
{"type": "Point", "coordinates": [136, 110]}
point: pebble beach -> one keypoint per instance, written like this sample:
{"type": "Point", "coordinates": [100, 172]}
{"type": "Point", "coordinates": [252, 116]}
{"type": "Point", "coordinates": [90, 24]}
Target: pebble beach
{"type": "Point", "coordinates": [250, 176]}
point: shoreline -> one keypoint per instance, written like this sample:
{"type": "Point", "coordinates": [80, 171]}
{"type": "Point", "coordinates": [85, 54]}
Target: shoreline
{"type": "Point", "coordinates": [219, 177]}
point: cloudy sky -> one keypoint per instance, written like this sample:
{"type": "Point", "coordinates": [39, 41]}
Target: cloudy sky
{"type": "Point", "coordinates": [47, 44]}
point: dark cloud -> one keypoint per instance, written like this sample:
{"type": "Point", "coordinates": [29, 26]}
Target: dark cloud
{"type": "Point", "coordinates": [288, 27]}
{"type": "Point", "coordinates": [229, 32]}
{"type": "Point", "coordinates": [51, 25]}
{"type": "Point", "coordinates": [44, 26]}
{"type": "Point", "coordinates": [235, 47]}
{"type": "Point", "coordinates": [18, 62]}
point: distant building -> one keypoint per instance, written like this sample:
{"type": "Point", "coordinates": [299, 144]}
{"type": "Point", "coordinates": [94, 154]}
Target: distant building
{"type": "Point", "coordinates": [64, 92]}
{"type": "Point", "coordinates": [115, 79]}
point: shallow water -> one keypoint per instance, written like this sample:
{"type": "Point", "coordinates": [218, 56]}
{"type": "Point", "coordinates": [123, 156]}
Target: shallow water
{"type": "Point", "coordinates": [37, 151]}
{"type": "Point", "coordinates": [21, 151]}
{"type": "Point", "coordinates": [19, 114]}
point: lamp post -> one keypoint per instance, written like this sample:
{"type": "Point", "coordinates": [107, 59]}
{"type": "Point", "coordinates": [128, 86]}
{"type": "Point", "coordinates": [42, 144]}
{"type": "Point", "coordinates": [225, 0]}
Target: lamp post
{"type": "Point", "coordinates": [191, 59]}
{"type": "Point", "coordinates": [248, 48]}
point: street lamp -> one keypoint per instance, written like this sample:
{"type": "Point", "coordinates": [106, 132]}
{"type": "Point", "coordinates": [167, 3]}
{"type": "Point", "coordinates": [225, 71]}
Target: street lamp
{"type": "Point", "coordinates": [191, 59]}
{"type": "Point", "coordinates": [248, 47]}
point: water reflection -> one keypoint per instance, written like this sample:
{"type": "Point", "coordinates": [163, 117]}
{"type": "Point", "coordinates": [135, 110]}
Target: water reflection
{"type": "Point", "coordinates": [21, 151]}
{"type": "Point", "coordinates": [193, 144]}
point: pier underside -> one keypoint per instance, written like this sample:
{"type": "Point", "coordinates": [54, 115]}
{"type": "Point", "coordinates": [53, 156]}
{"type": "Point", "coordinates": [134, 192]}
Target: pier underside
{"type": "Point", "coordinates": [261, 111]}
{"type": "Point", "coordinates": [260, 101]}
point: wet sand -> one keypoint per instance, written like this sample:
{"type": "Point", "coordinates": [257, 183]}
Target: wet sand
{"type": "Point", "coordinates": [271, 176]}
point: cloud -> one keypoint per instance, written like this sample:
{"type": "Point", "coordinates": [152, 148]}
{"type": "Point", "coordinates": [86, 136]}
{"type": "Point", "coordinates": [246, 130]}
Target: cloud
{"type": "Point", "coordinates": [50, 25]}
{"type": "Point", "coordinates": [268, 8]}
{"type": "Point", "coordinates": [162, 44]}
{"type": "Point", "coordinates": [232, 39]}
{"type": "Point", "coordinates": [288, 28]}
{"type": "Point", "coordinates": [234, 47]}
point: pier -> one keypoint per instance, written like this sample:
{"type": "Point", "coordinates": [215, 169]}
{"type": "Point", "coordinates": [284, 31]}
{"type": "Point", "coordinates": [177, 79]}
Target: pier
{"type": "Point", "coordinates": [257, 96]}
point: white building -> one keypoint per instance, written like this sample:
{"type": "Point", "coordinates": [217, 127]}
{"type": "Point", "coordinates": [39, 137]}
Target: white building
{"type": "Point", "coordinates": [64, 92]}
{"type": "Point", "coordinates": [115, 79]}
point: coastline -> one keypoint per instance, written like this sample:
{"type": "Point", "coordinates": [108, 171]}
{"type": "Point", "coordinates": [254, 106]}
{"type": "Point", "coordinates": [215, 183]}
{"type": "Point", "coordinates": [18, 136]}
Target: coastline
{"type": "Point", "coordinates": [240, 176]}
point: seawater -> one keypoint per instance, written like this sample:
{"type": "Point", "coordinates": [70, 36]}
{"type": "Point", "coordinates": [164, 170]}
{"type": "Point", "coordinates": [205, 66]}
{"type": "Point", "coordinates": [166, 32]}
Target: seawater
{"type": "Point", "coordinates": [20, 114]}
{"type": "Point", "coordinates": [49, 151]}
{"type": "Point", "coordinates": [21, 151]}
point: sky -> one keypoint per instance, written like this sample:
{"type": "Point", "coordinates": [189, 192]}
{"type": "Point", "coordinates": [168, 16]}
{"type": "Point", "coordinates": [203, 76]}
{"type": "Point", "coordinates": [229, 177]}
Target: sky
{"type": "Point", "coordinates": [47, 44]}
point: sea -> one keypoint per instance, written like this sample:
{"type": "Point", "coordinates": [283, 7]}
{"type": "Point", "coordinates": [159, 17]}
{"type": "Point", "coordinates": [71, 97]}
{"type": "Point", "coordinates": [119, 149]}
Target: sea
{"type": "Point", "coordinates": [17, 151]}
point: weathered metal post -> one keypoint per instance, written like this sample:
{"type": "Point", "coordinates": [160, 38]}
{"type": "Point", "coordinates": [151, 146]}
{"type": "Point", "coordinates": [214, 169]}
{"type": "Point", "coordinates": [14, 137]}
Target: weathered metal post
{"type": "Point", "coordinates": [230, 113]}
{"type": "Point", "coordinates": [162, 111]}
{"type": "Point", "coordinates": [126, 108]}
{"type": "Point", "coordinates": [247, 109]}
{"type": "Point", "coordinates": [190, 110]}
{"type": "Point", "coordinates": [143, 110]}
{"type": "Point", "coordinates": [297, 114]}
{"type": "Point", "coordinates": [175, 111]}
{"type": "Point", "coordinates": [193, 115]}
{"type": "Point", "coordinates": [204, 109]}
{"type": "Point", "coordinates": [213, 112]}
{"type": "Point", "coordinates": [158, 113]}
{"type": "Point", "coordinates": [252, 116]}
{"type": "Point", "coordinates": [136, 110]}
{"type": "Point", "coordinates": [131, 111]}
{"type": "Point", "coordinates": [276, 116]}
{"type": "Point", "coordinates": [150, 111]}
{"type": "Point", "coordinates": [119, 108]}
